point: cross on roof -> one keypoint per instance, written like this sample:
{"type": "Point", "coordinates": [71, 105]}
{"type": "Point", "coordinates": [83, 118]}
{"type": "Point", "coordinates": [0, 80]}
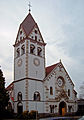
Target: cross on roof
{"type": "Point", "coordinates": [29, 7]}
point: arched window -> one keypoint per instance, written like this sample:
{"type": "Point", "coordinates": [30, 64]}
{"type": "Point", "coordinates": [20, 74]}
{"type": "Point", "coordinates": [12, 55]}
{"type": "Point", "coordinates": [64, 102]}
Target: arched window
{"type": "Point", "coordinates": [19, 97]}
{"type": "Point", "coordinates": [32, 48]}
{"type": "Point", "coordinates": [23, 49]}
{"type": "Point", "coordinates": [69, 92]}
{"type": "Point", "coordinates": [18, 52]}
{"type": "Point", "coordinates": [39, 51]}
{"type": "Point", "coordinates": [37, 96]}
{"type": "Point", "coordinates": [51, 91]}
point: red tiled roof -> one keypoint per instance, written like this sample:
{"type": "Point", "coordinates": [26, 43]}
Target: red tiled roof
{"type": "Point", "coordinates": [50, 68]}
{"type": "Point", "coordinates": [28, 24]}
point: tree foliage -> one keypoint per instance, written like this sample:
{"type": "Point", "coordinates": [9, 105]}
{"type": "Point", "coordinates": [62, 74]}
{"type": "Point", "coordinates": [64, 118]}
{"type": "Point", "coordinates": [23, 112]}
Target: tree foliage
{"type": "Point", "coordinates": [4, 97]}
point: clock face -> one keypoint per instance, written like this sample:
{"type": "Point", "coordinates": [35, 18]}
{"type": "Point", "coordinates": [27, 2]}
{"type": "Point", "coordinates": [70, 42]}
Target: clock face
{"type": "Point", "coordinates": [36, 61]}
{"type": "Point", "coordinates": [60, 82]}
{"type": "Point", "coordinates": [19, 62]}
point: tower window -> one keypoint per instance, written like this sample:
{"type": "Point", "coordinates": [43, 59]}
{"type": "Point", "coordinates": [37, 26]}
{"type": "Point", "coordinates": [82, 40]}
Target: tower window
{"type": "Point", "coordinates": [69, 92]}
{"type": "Point", "coordinates": [19, 97]}
{"type": "Point", "coordinates": [39, 51]}
{"type": "Point", "coordinates": [18, 52]}
{"type": "Point", "coordinates": [23, 49]}
{"type": "Point", "coordinates": [36, 38]}
{"type": "Point", "coordinates": [51, 91]}
{"type": "Point", "coordinates": [37, 96]}
{"type": "Point", "coordinates": [32, 48]}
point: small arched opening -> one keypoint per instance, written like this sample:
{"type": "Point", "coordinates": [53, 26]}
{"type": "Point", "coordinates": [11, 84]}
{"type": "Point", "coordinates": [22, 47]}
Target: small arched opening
{"type": "Point", "coordinates": [39, 51]}
{"type": "Point", "coordinates": [37, 96]}
{"type": "Point", "coordinates": [32, 49]}
{"type": "Point", "coordinates": [22, 50]}
{"type": "Point", "coordinates": [62, 108]}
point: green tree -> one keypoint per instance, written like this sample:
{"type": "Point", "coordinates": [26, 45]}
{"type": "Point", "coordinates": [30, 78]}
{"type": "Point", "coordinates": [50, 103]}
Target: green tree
{"type": "Point", "coordinates": [4, 97]}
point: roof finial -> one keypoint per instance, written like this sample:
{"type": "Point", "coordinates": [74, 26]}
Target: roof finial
{"type": "Point", "coordinates": [29, 7]}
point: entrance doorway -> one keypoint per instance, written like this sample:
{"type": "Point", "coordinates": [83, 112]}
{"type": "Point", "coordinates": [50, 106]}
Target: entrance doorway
{"type": "Point", "coordinates": [19, 108]}
{"type": "Point", "coordinates": [62, 108]}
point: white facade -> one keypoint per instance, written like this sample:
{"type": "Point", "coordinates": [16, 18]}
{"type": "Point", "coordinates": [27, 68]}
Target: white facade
{"type": "Point", "coordinates": [46, 90]}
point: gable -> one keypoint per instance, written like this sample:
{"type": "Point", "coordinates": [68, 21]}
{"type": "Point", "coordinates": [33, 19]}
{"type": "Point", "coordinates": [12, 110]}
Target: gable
{"type": "Point", "coordinates": [57, 70]}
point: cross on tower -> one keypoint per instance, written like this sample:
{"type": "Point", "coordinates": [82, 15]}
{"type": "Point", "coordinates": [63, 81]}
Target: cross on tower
{"type": "Point", "coordinates": [29, 7]}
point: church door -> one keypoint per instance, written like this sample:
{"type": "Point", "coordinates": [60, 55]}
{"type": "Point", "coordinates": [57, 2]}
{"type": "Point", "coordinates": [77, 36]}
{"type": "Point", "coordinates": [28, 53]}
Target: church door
{"type": "Point", "coordinates": [19, 108]}
{"type": "Point", "coordinates": [62, 108]}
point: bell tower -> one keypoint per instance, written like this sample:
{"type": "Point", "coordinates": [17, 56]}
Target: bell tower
{"type": "Point", "coordinates": [29, 63]}
{"type": "Point", "coordinates": [29, 51]}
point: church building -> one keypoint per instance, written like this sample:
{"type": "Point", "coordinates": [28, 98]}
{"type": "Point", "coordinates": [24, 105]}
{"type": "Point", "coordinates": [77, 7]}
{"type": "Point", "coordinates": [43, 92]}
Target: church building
{"type": "Point", "coordinates": [35, 86]}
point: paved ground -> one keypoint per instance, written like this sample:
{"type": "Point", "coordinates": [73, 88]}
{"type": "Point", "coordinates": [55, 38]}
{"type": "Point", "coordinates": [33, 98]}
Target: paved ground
{"type": "Point", "coordinates": [63, 118]}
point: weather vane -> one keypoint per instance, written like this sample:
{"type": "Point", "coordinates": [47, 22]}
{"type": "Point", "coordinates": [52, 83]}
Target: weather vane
{"type": "Point", "coordinates": [29, 7]}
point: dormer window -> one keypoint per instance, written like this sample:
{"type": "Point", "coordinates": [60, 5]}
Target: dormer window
{"type": "Point", "coordinates": [32, 37]}
{"type": "Point", "coordinates": [32, 48]}
{"type": "Point", "coordinates": [18, 52]}
{"type": "Point", "coordinates": [23, 49]}
{"type": "Point", "coordinates": [20, 38]}
{"type": "Point", "coordinates": [20, 32]}
{"type": "Point", "coordinates": [39, 51]}
{"type": "Point", "coordinates": [35, 31]}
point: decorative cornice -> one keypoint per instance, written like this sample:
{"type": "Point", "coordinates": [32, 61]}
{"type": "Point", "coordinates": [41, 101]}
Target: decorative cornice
{"type": "Point", "coordinates": [34, 41]}
{"type": "Point", "coordinates": [20, 42]}
{"type": "Point", "coordinates": [27, 79]}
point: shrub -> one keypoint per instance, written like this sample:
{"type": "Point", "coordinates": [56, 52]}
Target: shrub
{"type": "Point", "coordinates": [33, 114]}
{"type": "Point", "coordinates": [25, 114]}
{"type": "Point", "coordinates": [28, 115]}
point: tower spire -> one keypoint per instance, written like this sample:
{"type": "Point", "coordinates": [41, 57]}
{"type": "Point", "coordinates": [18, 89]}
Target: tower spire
{"type": "Point", "coordinates": [29, 7]}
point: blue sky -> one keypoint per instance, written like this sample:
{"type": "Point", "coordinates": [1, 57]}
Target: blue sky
{"type": "Point", "coordinates": [61, 23]}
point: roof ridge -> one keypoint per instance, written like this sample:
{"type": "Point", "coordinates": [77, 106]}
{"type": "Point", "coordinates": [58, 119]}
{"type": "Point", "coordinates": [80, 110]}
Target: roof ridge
{"type": "Point", "coordinates": [52, 65]}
